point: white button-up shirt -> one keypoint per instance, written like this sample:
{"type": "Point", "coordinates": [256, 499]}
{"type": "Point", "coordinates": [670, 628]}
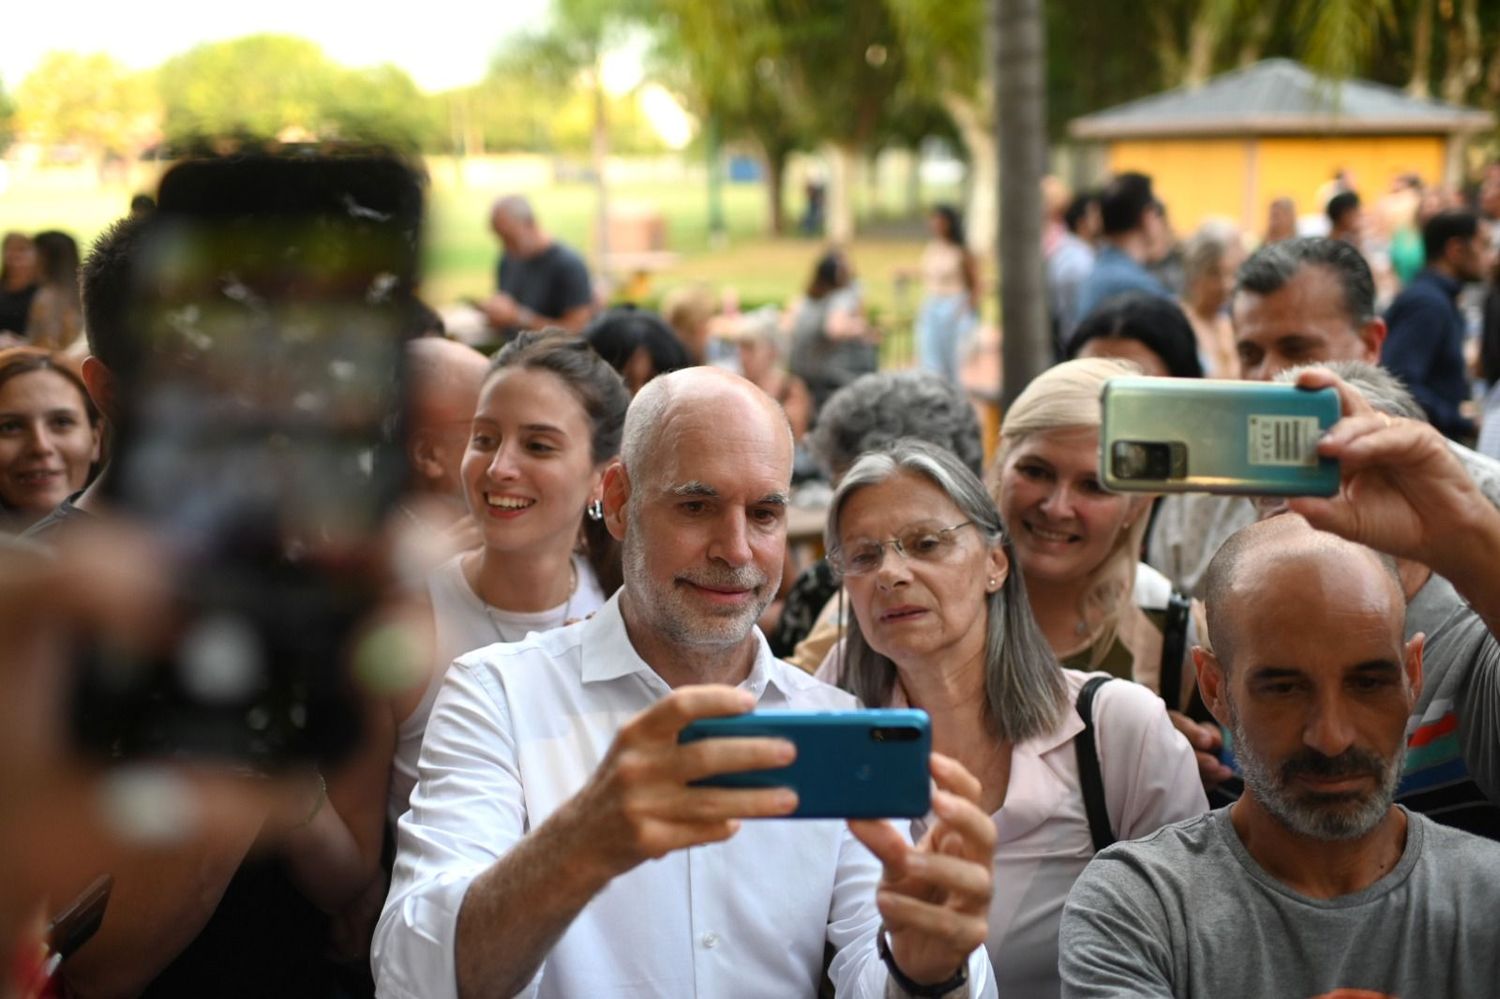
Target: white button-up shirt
{"type": "Point", "coordinates": [516, 731]}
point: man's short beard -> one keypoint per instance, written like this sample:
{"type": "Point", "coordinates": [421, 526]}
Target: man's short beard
{"type": "Point", "coordinates": [666, 607]}
{"type": "Point", "coordinates": [1341, 816]}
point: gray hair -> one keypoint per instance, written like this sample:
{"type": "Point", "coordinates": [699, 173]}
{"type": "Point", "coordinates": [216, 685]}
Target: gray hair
{"type": "Point", "coordinates": [873, 411]}
{"type": "Point", "coordinates": [1206, 249]}
{"type": "Point", "coordinates": [1381, 389]}
{"type": "Point", "coordinates": [1025, 693]}
{"type": "Point", "coordinates": [642, 419]}
{"type": "Point", "coordinates": [1270, 268]}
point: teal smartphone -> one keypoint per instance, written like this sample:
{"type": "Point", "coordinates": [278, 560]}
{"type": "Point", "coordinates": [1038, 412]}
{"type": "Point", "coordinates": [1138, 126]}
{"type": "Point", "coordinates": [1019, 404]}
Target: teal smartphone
{"type": "Point", "coordinates": [850, 764]}
{"type": "Point", "coordinates": [1165, 435]}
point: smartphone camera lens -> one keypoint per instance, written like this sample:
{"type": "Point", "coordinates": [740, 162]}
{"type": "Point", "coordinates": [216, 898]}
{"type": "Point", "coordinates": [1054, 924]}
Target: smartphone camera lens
{"type": "Point", "coordinates": [1148, 460]}
{"type": "Point", "coordinates": [895, 733]}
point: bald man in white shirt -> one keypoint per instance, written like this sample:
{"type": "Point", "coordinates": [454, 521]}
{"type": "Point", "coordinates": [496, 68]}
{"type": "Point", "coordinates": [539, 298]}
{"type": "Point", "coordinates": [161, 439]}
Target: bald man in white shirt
{"type": "Point", "coordinates": [554, 845]}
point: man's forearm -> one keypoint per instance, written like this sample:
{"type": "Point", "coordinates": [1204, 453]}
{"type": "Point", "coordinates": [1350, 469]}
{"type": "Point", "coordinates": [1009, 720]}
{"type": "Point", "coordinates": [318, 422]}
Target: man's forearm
{"type": "Point", "coordinates": [1472, 567]}
{"type": "Point", "coordinates": [514, 913]}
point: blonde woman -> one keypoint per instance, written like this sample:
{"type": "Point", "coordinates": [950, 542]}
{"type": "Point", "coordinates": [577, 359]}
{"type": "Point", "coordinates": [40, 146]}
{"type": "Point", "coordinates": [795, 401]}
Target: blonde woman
{"type": "Point", "coordinates": [1078, 548]}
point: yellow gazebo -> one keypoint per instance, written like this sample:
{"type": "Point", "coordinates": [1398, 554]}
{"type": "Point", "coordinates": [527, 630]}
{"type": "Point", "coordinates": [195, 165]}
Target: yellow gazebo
{"type": "Point", "coordinates": [1228, 148]}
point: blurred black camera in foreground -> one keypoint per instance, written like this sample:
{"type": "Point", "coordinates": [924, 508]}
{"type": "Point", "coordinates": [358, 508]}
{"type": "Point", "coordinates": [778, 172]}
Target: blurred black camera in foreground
{"type": "Point", "coordinates": [258, 440]}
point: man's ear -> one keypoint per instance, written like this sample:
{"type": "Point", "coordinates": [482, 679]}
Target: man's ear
{"type": "Point", "coordinates": [616, 496]}
{"type": "Point", "coordinates": [1372, 335]}
{"type": "Point", "coordinates": [424, 451]}
{"type": "Point", "coordinates": [1413, 657]}
{"type": "Point", "coordinates": [100, 382]}
{"type": "Point", "coordinates": [1212, 684]}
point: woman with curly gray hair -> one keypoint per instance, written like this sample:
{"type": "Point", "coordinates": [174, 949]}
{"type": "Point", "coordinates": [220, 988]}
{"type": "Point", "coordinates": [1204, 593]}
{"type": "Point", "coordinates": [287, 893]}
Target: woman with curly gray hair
{"type": "Point", "coordinates": [941, 622]}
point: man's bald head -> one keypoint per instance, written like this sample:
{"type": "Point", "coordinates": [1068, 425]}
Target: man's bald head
{"type": "Point", "coordinates": [693, 399]}
{"type": "Point", "coordinates": [1281, 573]}
{"type": "Point", "coordinates": [514, 208]}
{"type": "Point", "coordinates": [444, 378]}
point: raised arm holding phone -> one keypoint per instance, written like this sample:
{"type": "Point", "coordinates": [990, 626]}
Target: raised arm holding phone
{"type": "Point", "coordinates": [554, 833]}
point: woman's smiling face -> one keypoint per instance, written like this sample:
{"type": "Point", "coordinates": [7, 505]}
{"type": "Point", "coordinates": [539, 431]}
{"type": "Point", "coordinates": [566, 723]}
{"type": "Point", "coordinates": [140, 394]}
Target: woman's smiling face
{"type": "Point", "coordinates": [1062, 522]}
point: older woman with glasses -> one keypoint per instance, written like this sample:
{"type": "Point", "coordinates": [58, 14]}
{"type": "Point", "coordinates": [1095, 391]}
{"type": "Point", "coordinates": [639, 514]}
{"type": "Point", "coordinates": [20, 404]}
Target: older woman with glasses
{"type": "Point", "coordinates": [941, 622]}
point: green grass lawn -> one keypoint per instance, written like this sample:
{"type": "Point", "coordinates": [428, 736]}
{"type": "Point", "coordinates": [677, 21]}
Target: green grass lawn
{"type": "Point", "coordinates": [461, 252]}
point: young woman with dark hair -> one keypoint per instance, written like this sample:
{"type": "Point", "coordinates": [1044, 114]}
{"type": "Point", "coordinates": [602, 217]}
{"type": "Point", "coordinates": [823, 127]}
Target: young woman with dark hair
{"type": "Point", "coordinates": [549, 420]}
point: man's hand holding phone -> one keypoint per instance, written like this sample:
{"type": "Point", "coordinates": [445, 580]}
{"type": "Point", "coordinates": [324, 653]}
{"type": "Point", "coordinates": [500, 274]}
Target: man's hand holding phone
{"type": "Point", "coordinates": [641, 803]}
{"type": "Point", "coordinates": [935, 897]}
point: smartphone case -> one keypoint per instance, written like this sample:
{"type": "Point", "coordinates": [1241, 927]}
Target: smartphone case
{"type": "Point", "coordinates": [850, 764]}
{"type": "Point", "coordinates": [1244, 438]}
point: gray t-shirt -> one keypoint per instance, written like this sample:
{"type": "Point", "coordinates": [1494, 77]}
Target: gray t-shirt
{"type": "Point", "coordinates": [1452, 770]}
{"type": "Point", "coordinates": [1187, 912]}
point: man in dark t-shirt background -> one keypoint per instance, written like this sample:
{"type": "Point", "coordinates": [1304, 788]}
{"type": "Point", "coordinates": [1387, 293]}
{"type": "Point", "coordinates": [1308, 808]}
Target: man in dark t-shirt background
{"type": "Point", "coordinates": [541, 282]}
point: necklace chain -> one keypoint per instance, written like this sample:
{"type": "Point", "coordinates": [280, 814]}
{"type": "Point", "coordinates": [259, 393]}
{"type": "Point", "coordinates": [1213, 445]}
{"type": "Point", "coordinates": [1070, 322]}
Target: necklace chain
{"type": "Point", "coordinates": [489, 612]}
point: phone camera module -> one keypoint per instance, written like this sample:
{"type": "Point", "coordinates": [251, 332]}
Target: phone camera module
{"type": "Point", "coordinates": [1150, 460]}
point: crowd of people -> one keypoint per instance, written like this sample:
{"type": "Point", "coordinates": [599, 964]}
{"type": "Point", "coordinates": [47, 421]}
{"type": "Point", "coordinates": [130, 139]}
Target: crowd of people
{"type": "Point", "coordinates": [1193, 745]}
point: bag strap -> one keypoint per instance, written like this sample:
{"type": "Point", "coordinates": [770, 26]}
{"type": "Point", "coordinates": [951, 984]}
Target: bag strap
{"type": "Point", "coordinates": [1173, 645]}
{"type": "Point", "coordinates": [1089, 776]}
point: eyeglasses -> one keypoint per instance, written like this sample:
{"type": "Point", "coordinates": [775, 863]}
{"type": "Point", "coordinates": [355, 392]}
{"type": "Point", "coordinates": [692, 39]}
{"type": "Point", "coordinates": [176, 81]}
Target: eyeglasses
{"type": "Point", "coordinates": [916, 544]}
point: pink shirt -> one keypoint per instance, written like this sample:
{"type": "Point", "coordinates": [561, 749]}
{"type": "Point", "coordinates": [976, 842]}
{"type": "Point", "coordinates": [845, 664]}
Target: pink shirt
{"type": "Point", "coordinates": [1150, 780]}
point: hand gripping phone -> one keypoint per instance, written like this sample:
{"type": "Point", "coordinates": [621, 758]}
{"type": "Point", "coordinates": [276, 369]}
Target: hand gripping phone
{"type": "Point", "coordinates": [1162, 435]}
{"type": "Point", "coordinates": [850, 764]}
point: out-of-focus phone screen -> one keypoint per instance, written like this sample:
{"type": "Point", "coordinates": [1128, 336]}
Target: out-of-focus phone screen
{"type": "Point", "coordinates": [259, 442]}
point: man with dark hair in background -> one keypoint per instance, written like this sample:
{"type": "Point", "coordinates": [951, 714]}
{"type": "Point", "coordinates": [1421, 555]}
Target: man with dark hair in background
{"type": "Point", "coordinates": [1346, 219]}
{"type": "Point", "coordinates": [1425, 345]}
{"type": "Point", "coordinates": [1069, 264]}
{"type": "Point", "coordinates": [540, 282]}
{"type": "Point", "coordinates": [1132, 224]}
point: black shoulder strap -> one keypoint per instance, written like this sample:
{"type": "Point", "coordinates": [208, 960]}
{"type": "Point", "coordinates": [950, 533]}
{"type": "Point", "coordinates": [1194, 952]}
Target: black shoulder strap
{"type": "Point", "coordinates": [1173, 645]}
{"type": "Point", "coordinates": [1088, 768]}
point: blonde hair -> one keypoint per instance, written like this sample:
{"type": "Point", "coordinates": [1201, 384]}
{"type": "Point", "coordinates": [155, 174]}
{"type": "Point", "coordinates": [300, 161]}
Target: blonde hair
{"type": "Point", "coordinates": [1066, 397]}
{"type": "Point", "coordinates": [688, 307]}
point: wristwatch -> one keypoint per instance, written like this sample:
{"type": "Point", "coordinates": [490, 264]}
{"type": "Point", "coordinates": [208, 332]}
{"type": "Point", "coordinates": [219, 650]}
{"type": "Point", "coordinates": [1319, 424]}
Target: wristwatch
{"type": "Point", "coordinates": [935, 991]}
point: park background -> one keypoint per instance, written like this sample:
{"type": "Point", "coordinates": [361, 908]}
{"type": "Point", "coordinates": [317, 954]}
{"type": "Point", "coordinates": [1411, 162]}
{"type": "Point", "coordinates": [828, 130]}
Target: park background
{"type": "Point", "coordinates": [672, 140]}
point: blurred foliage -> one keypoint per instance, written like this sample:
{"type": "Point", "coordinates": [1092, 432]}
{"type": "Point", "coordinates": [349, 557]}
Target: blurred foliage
{"type": "Point", "coordinates": [94, 101]}
{"type": "Point", "coordinates": [7, 118]}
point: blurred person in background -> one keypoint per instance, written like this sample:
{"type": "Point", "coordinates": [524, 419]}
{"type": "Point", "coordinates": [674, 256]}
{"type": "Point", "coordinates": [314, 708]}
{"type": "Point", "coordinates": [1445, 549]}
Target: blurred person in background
{"type": "Point", "coordinates": [1078, 547]}
{"type": "Point", "coordinates": [1069, 265]}
{"type": "Point", "coordinates": [50, 435]}
{"type": "Point", "coordinates": [756, 336]}
{"type": "Point", "coordinates": [1165, 259]}
{"type": "Point", "coordinates": [637, 343]}
{"type": "Point", "coordinates": [941, 622]}
{"type": "Point", "coordinates": [1346, 219]}
{"type": "Point", "coordinates": [950, 295]}
{"type": "Point", "coordinates": [1281, 221]}
{"type": "Point", "coordinates": [443, 381]}
{"type": "Point", "coordinates": [1149, 331]}
{"type": "Point", "coordinates": [1209, 261]}
{"type": "Point", "coordinates": [548, 421]}
{"type": "Point", "coordinates": [1489, 364]}
{"type": "Point", "coordinates": [690, 310]}
{"type": "Point", "coordinates": [1133, 232]}
{"type": "Point", "coordinates": [20, 277]}
{"type": "Point", "coordinates": [1426, 330]}
{"type": "Point", "coordinates": [539, 281]}
{"type": "Point", "coordinates": [832, 343]}
{"type": "Point", "coordinates": [56, 317]}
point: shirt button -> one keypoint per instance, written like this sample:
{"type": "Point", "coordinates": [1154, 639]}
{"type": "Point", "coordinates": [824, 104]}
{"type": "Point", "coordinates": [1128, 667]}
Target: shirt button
{"type": "Point", "coordinates": [710, 940]}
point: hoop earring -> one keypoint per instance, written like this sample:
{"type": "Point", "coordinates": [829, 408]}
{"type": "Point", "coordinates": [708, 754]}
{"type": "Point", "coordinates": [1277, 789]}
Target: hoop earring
{"type": "Point", "coordinates": [595, 510]}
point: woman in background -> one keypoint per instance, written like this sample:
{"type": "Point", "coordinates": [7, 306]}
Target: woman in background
{"type": "Point", "coordinates": [950, 295]}
{"type": "Point", "coordinates": [19, 280]}
{"type": "Point", "coordinates": [1149, 331]}
{"type": "Point", "coordinates": [831, 342]}
{"type": "Point", "coordinates": [56, 317]}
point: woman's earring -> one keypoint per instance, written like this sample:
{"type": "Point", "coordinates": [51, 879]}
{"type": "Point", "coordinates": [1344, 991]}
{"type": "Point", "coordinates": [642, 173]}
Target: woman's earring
{"type": "Point", "coordinates": [992, 585]}
{"type": "Point", "coordinates": [596, 510]}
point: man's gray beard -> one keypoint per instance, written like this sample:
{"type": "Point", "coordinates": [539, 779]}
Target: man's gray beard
{"type": "Point", "coordinates": [1324, 821]}
{"type": "Point", "coordinates": [670, 616]}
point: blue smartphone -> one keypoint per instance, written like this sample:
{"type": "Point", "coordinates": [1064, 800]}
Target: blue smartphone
{"type": "Point", "coordinates": [850, 764]}
{"type": "Point", "coordinates": [1163, 435]}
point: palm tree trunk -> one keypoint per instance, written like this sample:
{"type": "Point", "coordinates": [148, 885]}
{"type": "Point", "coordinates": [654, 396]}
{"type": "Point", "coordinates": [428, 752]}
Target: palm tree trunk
{"type": "Point", "coordinates": [1420, 84]}
{"type": "Point", "coordinates": [1020, 103]}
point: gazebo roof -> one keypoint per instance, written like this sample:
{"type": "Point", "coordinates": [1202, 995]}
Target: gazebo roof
{"type": "Point", "coordinates": [1278, 96]}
